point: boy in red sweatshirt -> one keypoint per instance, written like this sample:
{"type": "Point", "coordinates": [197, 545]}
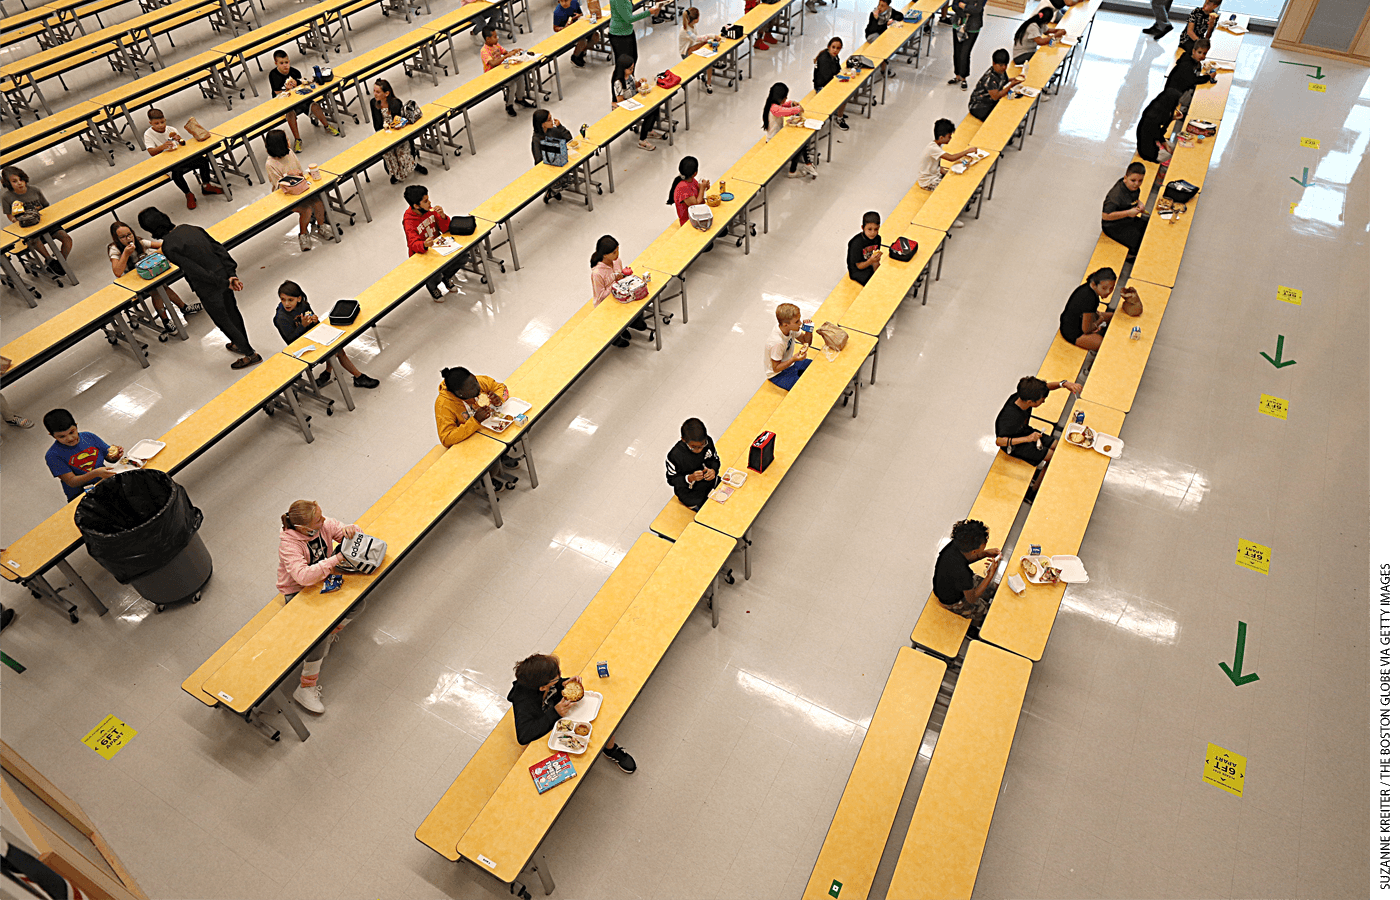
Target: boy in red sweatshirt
{"type": "Point", "coordinates": [423, 223]}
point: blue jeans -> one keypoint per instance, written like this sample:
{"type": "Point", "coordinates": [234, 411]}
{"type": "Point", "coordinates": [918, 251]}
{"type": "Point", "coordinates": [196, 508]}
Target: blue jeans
{"type": "Point", "coordinates": [788, 377]}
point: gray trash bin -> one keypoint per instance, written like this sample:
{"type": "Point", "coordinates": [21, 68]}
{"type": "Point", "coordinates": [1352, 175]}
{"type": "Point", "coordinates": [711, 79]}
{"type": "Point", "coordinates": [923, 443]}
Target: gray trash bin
{"type": "Point", "coordinates": [183, 578]}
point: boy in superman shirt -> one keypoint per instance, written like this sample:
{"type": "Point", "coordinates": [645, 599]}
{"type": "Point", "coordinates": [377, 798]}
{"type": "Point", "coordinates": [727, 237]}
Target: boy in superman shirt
{"type": "Point", "coordinates": [77, 458]}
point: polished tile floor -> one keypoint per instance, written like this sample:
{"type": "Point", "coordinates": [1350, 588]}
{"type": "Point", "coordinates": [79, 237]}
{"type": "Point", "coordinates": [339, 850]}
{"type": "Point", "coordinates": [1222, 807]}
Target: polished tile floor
{"type": "Point", "coordinates": [746, 735]}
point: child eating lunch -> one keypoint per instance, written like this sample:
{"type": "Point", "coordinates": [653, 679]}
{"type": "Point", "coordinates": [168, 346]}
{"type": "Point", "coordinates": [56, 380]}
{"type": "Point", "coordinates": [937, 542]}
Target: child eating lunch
{"type": "Point", "coordinates": [537, 698]}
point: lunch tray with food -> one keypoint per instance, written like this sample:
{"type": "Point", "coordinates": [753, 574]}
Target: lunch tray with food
{"type": "Point", "coordinates": [572, 733]}
{"type": "Point", "coordinates": [1089, 439]}
{"type": "Point", "coordinates": [1039, 570]}
{"type": "Point", "coordinates": [512, 412]}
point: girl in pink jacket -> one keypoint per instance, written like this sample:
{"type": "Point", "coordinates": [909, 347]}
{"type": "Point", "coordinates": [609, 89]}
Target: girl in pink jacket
{"type": "Point", "coordinates": [304, 559]}
{"type": "Point", "coordinates": [777, 109]}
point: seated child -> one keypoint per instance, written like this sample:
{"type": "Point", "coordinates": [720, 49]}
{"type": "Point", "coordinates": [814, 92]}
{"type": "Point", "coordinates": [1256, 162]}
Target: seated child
{"type": "Point", "coordinates": [1014, 433]}
{"type": "Point", "coordinates": [954, 584]}
{"type": "Point", "coordinates": [785, 352]}
{"type": "Point", "coordinates": [1122, 210]}
{"type": "Point", "coordinates": [424, 223]}
{"type": "Point", "coordinates": [282, 162]}
{"type": "Point", "coordinates": [546, 126]}
{"type": "Point", "coordinates": [294, 318]}
{"type": "Point", "coordinates": [992, 86]}
{"type": "Point", "coordinates": [1200, 24]}
{"type": "Point", "coordinates": [1034, 33]}
{"type": "Point", "coordinates": [493, 55]}
{"type": "Point", "coordinates": [1082, 323]}
{"type": "Point", "coordinates": [162, 138]}
{"type": "Point", "coordinates": [537, 699]}
{"type": "Point", "coordinates": [77, 458]}
{"type": "Point", "coordinates": [19, 190]}
{"type": "Point", "coordinates": [460, 410]}
{"type": "Point", "coordinates": [878, 23]}
{"type": "Point", "coordinates": [692, 465]}
{"type": "Point", "coordinates": [863, 251]}
{"type": "Point", "coordinates": [930, 167]}
{"type": "Point", "coordinates": [284, 77]}
{"type": "Point", "coordinates": [1191, 70]}
{"type": "Point", "coordinates": [125, 251]}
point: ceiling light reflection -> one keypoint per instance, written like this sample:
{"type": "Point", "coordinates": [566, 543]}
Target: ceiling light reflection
{"type": "Point", "coordinates": [822, 718]}
{"type": "Point", "coordinates": [1153, 624]}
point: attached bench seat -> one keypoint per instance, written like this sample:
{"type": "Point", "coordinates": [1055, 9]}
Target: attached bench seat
{"type": "Point", "coordinates": [943, 847]}
{"type": "Point", "coordinates": [469, 792]}
{"type": "Point", "coordinates": [861, 827]}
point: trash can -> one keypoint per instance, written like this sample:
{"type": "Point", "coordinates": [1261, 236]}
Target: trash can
{"type": "Point", "coordinates": [142, 528]}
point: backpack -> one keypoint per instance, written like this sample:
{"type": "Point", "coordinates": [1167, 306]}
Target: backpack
{"type": "Point", "coordinates": [151, 265]}
{"type": "Point", "coordinates": [858, 62]}
{"type": "Point", "coordinates": [362, 553]}
{"type": "Point", "coordinates": [903, 249]}
{"type": "Point", "coordinates": [411, 112]}
{"type": "Point", "coordinates": [554, 151]}
{"type": "Point", "coordinates": [629, 288]}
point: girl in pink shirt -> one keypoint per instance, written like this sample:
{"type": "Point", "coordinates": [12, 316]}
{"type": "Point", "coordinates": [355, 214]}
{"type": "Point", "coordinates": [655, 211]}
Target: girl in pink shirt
{"type": "Point", "coordinates": [305, 558]}
{"type": "Point", "coordinates": [608, 268]}
{"type": "Point", "coordinates": [776, 109]}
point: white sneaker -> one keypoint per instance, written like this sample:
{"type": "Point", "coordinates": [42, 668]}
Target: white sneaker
{"type": "Point", "coordinates": [327, 232]}
{"type": "Point", "coordinates": [309, 698]}
{"type": "Point", "coordinates": [305, 241]}
{"type": "Point", "coordinates": [808, 169]}
{"type": "Point", "coordinates": [461, 278]}
{"type": "Point", "coordinates": [796, 173]}
{"type": "Point", "coordinates": [958, 223]}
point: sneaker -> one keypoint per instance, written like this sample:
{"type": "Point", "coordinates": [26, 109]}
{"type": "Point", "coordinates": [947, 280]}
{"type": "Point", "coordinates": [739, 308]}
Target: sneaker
{"type": "Point", "coordinates": [645, 145]}
{"type": "Point", "coordinates": [309, 698]}
{"type": "Point", "coordinates": [1150, 28]}
{"type": "Point", "coordinates": [435, 294]}
{"type": "Point", "coordinates": [796, 173]}
{"type": "Point", "coordinates": [510, 462]}
{"type": "Point", "coordinates": [954, 80]}
{"type": "Point", "coordinates": [192, 309]}
{"type": "Point", "coordinates": [297, 148]}
{"type": "Point", "coordinates": [20, 422]}
{"type": "Point", "coordinates": [245, 361]}
{"type": "Point", "coordinates": [808, 169]}
{"type": "Point", "coordinates": [305, 241]}
{"type": "Point", "coordinates": [232, 347]}
{"type": "Point", "coordinates": [324, 378]}
{"type": "Point", "coordinates": [461, 278]}
{"type": "Point", "coordinates": [761, 45]}
{"type": "Point", "coordinates": [889, 73]}
{"type": "Point", "coordinates": [364, 381]}
{"type": "Point", "coordinates": [332, 130]}
{"type": "Point", "coordinates": [6, 618]}
{"type": "Point", "coordinates": [527, 103]}
{"type": "Point", "coordinates": [190, 202]}
{"type": "Point", "coordinates": [577, 61]}
{"type": "Point", "coordinates": [510, 110]}
{"type": "Point", "coordinates": [962, 83]}
{"type": "Point", "coordinates": [55, 268]}
{"type": "Point", "coordinates": [210, 189]}
{"type": "Point", "coordinates": [958, 223]}
{"type": "Point", "coordinates": [842, 124]}
{"type": "Point", "coordinates": [420, 168]}
{"type": "Point", "coordinates": [326, 231]}
{"type": "Point", "coordinates": [621, 341]}
{"type": "Point", "coordinates": [709, 88]}
{"type": "Point", "coordinates": [624, 760]}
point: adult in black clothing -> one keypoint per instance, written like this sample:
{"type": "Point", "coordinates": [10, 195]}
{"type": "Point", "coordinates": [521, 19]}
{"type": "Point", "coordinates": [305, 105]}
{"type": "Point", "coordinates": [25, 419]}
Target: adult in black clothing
{"type": "Point", "coordinates": [954, 584]}
{"type": "Point", "coordinates": [1152, 127]}
{"type": "Point", "coordinates": [537, 698]}
{"type": "Point", "coordinates": [1082, 323]}
{"type": "Point", "coordinates": [210, 272]}
{"type": "Point", "coordinates": [825, 67]}
{"type": "Point", "coordinates": [1122, 209]}
{"type": "Point", "coordinates": [1014, 433]}
{"type": "Point", "coordinates": [863, 254]}
{"type": "Point", "coordinates": [546, 126]}
{"type": "Point", "coordinates": [692, 465]}
{"type": "Point", "coordinates": [967, 24]}
{"type": "Point", "coordinates": [384, 107]}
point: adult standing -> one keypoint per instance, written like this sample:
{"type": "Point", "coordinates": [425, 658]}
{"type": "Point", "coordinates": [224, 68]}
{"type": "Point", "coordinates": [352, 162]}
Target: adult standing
{"type": "Point", "coordinates": [211, 272]}
{"type": "Point", "coordinates": [1161, 25]}
{"type": "Point", "coordinates": [621, 34]}
{"type": "Point", "coordinates": [967, 24]}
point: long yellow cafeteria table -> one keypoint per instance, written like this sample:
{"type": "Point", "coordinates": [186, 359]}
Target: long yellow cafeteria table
{"type": "Point", "coordinates": [947, 201]}
{"type": "Point", "coordinates": [1120, 362]}
{"type": "Point", "coordinates": [891, 283]}
{"type": "Point", "coordinates": [1057, 521]}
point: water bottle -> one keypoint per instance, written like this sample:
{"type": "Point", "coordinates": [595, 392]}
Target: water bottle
{"type": "Point", "coordinates": [583, 131]}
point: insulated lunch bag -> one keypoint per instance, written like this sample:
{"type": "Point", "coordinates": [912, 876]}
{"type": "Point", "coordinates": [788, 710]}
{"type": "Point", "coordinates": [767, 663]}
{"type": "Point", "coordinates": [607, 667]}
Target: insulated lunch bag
{"type": "Point", "coordinates": [701, 217]}
{"type": "Point", "coordinates": [152, 265]}
{"type": "Point", "coordinates": [732, 32]}
{"type": "Point", "coordinates": [630, 288]}
{"type": "Point", "coordinates": [411, 112]}
{"type": "Point", "coordinates": [554, 151]}
{"type": "Point", "coordinates": [344, 312]}
{"type": "Point", "coordinates": [668, 79]}
{"type": "Point", "coordinates": [903, 249]}
{"type": "Point", "coordinates": [293, 184]}
{"type": "Point", "coordinates": [362, 553]}
{"type": "Point", "coordinates": [761, 451]}
{"type": "Point", "coordinates": [462, 225]}
{"type": "Point", "coordinates": [1180, 191]}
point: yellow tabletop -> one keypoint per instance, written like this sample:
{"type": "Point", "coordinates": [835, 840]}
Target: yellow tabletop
{"type": "Point", "coordinates": [210, 421]}
{"type": "Point", "coordinates": [287, 636]}
{"type": "Point", "coordinates": [1056, 522]}
{"type": "Point", "coordinates": [946, 201]}
{"type": "Point", "coordinates": [1225, 45]}
{"type": "Point", "coordinates": [1118, 367]}
{"type": "Point", "coordinates": [374, 146]}
{"type": "Point", "coordinates": [891, 282]}
{"type": "Point", "coordinates": [1001, 123]}
{"type": "Point", "coordinates": [85, 47]}
{"type": "Point", "coordinates": [470, 791]}
{"type": "Point", "coordinates": [826, 101]}
{"type": "Point", "coordinates": [943, 847]}
{"type": "Point", "coordinates": [483, 84]}
{"type": "Point", "coordinates": [1209, 100]}
{"type": "Point", "coordinates": [269, 110]}
{"type": "Point", "coordinates": [1040, 68]}
{"type": "Point", "coordinates": [236, 226]}
{"type": "Point", "coordinates": [278, 28]}
{"type": "Point", "coordinates": [694, 64]}
{"type": "Point", "coordinates": [83, 314]}
{"type": "Point", "coordinates": [517, 817]}
{"type": "Point", "coordinates": [404, 45]}
{"type": "Point", "coordinates": [854, 842]}
{"type": "Point", "coordinates": [64, 118]}
{"type": "Point", "coordinates": [572, 34]}
{"type": "Point", "coordinates": [680, 245]}
{"type": "Point", "coordinates": [620, 119]}
{"type": "Point", "coordinates": [1164, 242]}
{"type": "Point", "coordinates": [43, 544]}
{"type": "Point", "coordinates": [1077, 18]}
{"type": "Point", "coordinates": [510, 199]}
{"type": "Point", "coordinates": [377, 299]}
{"type": "Point", "coordinates": [794, 422]}
{"type": "Point", "coordinates": [764, 160]}
{"type": "Point", "coordinates": [459, 16]}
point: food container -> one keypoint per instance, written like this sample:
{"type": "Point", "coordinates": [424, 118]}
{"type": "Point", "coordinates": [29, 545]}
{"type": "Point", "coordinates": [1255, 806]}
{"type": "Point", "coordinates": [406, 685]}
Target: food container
{"type": "Point", "coordinates": [712, 200]}
{"type": "Point", "coordinates": [733, 478]}
{"type": "Point", "coordinates": [602, 668]}
{"type": "Point", "coordinates": [566, 738]}
{"type": "Point", "coordinates": [143, 450]}
{"type": "Point", "coordinates": [313, 171]}
{"type": "Point", "coordinates": [1039, 570]}
{"type": "Point", "coordinates": [1016, 583]}
{"type": "Point", "coordinates": [1080, 436]}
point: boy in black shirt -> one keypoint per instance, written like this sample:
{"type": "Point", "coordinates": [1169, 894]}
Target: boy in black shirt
{"type": "Point", "coordinates": [1014, 433]}
{"type": "Point", "coordinates": [954, 584]}
{"type": "Point", "coordinates": [537, 698]}
{"type": "Point", "coordinates": [692, 466]}
{"type": "Point", "coordinates": [1122, 210]}
{"type": "Point", "coordinates": [283, 76]}
{"type": "Point", "coordinates": [863, 251]}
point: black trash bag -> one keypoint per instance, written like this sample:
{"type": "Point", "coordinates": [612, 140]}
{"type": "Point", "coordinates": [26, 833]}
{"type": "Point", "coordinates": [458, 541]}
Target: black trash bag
{"type": "Point", "coordinates": [136, 522]}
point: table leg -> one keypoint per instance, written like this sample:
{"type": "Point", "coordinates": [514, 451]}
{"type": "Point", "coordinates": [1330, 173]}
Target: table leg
{"type": "Point", "coordinates": [491, 497]}
{"type": "Point", "coordinates": [81, 586]}
{"type": "Point", "coordinates": [510, 238]}
{"type": "Point", "coordinates": [359, 192]}
{"type": "Point", "coordinates": [685, 302]}
{"type": "Point", "coordinates": [340, 383]}
{"type": "Point", "coordinates": [607, 155]}
{"type": "Point", "coordinates": [215, 170]}
{"type": "Point", "coordinates": [855, 403]}
{"type": "Point", "coordinates": [714, 601]}
{"type": "Point", "coordinates": [874, 360]}
{"type": "Point", "coordinates": [529, 458]}
{"type": "Point", "coordinates": [539, 866]}
{"type": "Point", "coordinates": [291, 397]}
{"type": "Point", "coordinates": [942, 243]}
{"type": "Point", "coordinates": [26, 290]}
{"type": "Point", "coordinates": [991, 186]}
{"type": "Point", "coordinates": [124, 329]}
{"type": "Point", "coordinates": [656, 318]}
{"type": "Point", "coordinates": [284, 704]}
{"type": "Point", "coordinates": [483, 251]}
{"type": "Point", "coordinates": [46, 592]}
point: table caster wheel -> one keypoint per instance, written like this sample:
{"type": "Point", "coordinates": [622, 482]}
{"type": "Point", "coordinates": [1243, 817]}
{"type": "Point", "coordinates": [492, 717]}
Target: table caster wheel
{"type": "Point", "coordinates": [456, 152]}
{"type": "Point", "coordinates": [267, 408]}
{"type": "Point", "coordinates": [162, 338]}
{"type": "Point", "coordinates": [160, 607]}
{"type": "Point", "coordinates": [198, 596]}
{"type": "Point", "coordinates": [277, 735]}
{"type": "Point", "coordinates": [73, 618]}
{"type": "Point", "coordinates": [728, 577]}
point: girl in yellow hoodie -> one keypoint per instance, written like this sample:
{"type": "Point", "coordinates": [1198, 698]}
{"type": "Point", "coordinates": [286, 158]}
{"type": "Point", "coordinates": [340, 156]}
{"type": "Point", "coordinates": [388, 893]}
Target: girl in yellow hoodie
{"type": "Point", "coordinates": [460, 411]}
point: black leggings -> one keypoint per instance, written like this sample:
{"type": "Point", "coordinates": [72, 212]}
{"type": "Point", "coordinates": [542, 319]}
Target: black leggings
{"type": "Point", "coordinates": [962, 53]}
{"type": "Point", "coordinates": [623, 45]}
{"type": "Point", "coordinates": [649, 122]}
{"type": "Point", "coordinates": [804, 157]}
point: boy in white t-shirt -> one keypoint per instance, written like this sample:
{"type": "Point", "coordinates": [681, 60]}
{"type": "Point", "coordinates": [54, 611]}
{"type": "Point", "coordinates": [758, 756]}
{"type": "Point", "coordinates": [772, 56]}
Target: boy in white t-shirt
{"type": "Point", "coordinates": [161, 138]}
{"type": "Point", "coordinates": [930, 168]}
{"type": "Point", "coordinates": [785, 353]}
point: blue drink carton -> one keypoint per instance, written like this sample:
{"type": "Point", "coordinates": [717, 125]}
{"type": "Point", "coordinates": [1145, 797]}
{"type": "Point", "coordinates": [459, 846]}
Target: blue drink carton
{"type": "Point", "coordinates": [1135, 334]}
{"type": "Point", "coordinates": [1079, 417]}
{"type": "Point", "coordinates": [603, 668]}
{"type": "Point", "coordinates": [1035, 550]}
